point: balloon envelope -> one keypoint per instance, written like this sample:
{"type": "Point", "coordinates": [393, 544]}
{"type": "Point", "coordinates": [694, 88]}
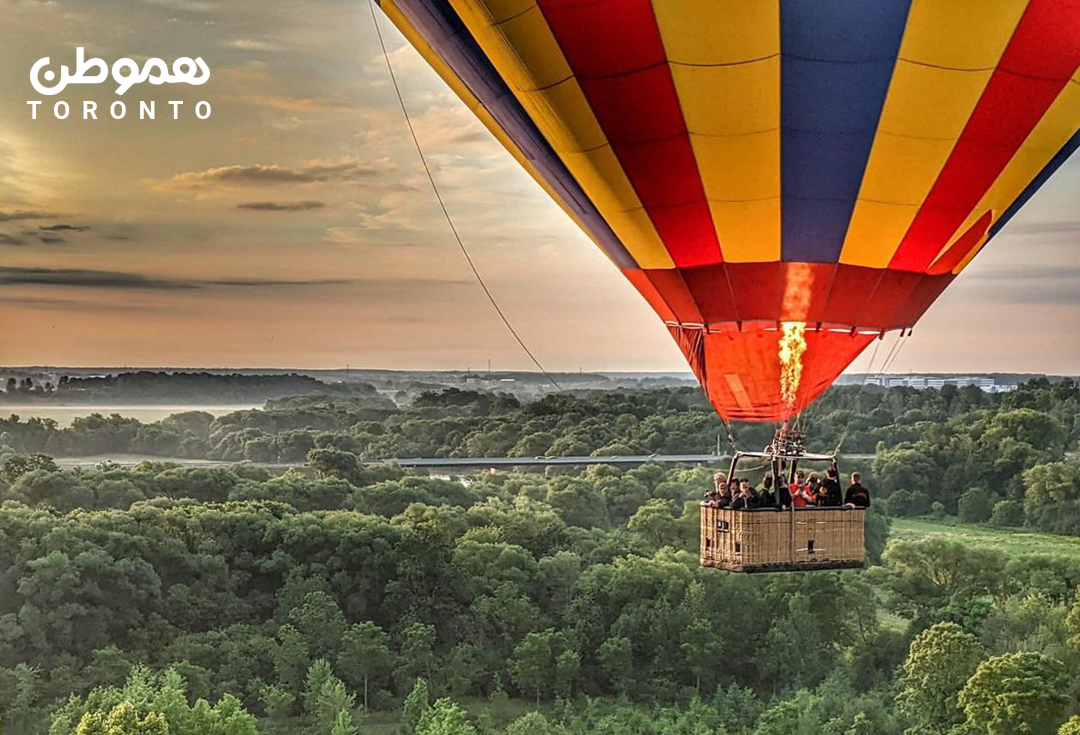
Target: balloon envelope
{"type": "Point", "coordinates": [751, 163]}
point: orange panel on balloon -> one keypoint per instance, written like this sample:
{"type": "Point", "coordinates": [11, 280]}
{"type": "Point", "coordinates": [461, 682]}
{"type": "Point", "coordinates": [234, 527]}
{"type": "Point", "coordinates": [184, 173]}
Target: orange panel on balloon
{"type": "Point", "coordinates": [741, 370]}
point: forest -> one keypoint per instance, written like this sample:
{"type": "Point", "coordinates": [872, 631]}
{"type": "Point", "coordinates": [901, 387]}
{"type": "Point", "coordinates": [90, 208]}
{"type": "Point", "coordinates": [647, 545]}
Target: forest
{"type": "Point", "coordinates": [145, 386]}
{"type": "Point", "coordinates": [346, 597]}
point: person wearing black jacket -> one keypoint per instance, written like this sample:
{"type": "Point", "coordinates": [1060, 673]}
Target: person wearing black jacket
{"type": "Point", "coordinates": [830, 489]}
{"type": "Point", "coordinates": [766, 497]}
{"type": "Point", "coordinates": [856, 496]}
{"type": "Point", "coordinates": [783, 493]}
{"type": "Point", "coordinates": [746, 499]}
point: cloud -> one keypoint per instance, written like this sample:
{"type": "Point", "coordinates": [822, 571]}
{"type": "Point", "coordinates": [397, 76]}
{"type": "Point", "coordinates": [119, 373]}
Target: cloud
{"type": "Point", "coordinates": [305, 206]}
{"type": "Point", "coordinates": [85, 278]}
{"type": "Point", "coordinates": [269, 283]}
{"type": "Point", "coordinates": [252, 44]}
{"type": "Point", "coordinates": [45, 234]}
{"type": "Point", "coordinates": [64, 228]}
{"type": "Point", "coordinates": [347, 169]}
{"type": "Point", "coordinates": [1025, 273]}
{"type": "Point", "coordinates": [187, 6]}
{"type": "Point", "coordinates": [82, 306]}
{"type": "Point", "coordinates": [25, 214]}
{"type": "Point", "coordinates": [1064, 227]}
{"type": "Point", "coordinates": [122, 280]}
{"type": "Point", "coordinates": [293, 104]}
{"type": "Point", "coordinates": [1050, 285]}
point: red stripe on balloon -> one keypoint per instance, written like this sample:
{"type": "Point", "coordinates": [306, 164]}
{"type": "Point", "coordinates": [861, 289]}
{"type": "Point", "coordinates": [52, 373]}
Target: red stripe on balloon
{"type": "Point", "coordinates": [615, 50]}
{"type": "Point", "coordinates": [1042, 55]}
{"type": "Point", "coordinates": [672, 288]}
{"type": "Point", "coordinates": [963, 245]}
{"type": "Point", "coordinates": [837, 295]}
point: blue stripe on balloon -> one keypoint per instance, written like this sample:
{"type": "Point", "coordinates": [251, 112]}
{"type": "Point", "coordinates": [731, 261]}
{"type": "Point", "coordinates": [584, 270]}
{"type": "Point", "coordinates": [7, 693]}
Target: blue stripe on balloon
{"type": "Point", "coordinates": [837, 58]}
{"type": "Point", "coordinates": [1055, 163]}
{"type": "Point", "coordinates": [441, 27]}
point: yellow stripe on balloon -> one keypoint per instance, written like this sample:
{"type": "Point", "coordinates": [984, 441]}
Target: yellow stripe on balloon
{"type": "Point", "coordinates": [1060, 123]}
{"type": "Point", "coordinates": [475, 106]}
{"type": "Point", "coordinates": [519, 43]}
{"type": "Point", "coordinates": [947, 56]}
{"type": "Point", "coordinates": [724, 58]}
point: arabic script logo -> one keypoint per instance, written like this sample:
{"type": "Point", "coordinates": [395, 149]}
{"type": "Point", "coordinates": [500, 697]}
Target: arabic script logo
{"type": "Point", "coordinates": [125, 72]}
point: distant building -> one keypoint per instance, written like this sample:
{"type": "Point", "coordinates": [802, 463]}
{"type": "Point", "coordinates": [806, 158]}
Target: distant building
{"type": "Point", "coordinates": [921, 382]}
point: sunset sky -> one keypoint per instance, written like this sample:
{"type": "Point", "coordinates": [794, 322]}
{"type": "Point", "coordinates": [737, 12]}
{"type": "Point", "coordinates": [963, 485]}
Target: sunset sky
{"type": "Point", "coordinates": [295, 228]}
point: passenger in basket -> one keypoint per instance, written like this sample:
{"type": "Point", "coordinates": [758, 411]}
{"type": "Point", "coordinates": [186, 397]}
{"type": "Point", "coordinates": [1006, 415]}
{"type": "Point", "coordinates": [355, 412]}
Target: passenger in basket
{"type": "Point", "coordinates": [746, 499]}
{"type": "Point", "coordinates": [723, 495]}
{"type": "Point", "coordinates": [800, 491]}
{"type": "Point", "coordinates": [783, 493]}
{"type": "Point", "coordinates": [766, 497]}
{"type": "Point", "coordinates": [856, 496]}
{"type": "Point", "coordinates": [829, 493]}
{"type": "Point", "coordinates": [719, 496]}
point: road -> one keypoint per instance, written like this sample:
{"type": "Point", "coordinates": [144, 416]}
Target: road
{"type": "Point", "coordinates": [128, 460]}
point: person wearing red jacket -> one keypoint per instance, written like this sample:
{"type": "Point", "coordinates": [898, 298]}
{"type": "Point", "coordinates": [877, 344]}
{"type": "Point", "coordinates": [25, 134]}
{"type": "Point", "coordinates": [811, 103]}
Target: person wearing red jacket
{"type": "Point", "coordinates": [801, 494]}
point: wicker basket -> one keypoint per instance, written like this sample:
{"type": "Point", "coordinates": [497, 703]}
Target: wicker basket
{"type": "Point", "coordinates": [769, 540]}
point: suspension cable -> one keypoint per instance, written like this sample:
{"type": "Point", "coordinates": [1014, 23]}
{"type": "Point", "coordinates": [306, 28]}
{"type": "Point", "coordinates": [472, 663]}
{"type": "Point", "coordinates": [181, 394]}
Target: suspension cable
{"type": "Point", "coordinates": [813, 411]}
{"type": "Point", "coordinates": [442, 204]}
{"type": "Point", "coordinates": [858, 395]}
{"type": "Point", "coordinates": [730, 433]}
{"type": "Point", "coordinates": [903, 341]}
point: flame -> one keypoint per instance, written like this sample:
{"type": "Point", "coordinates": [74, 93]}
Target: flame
{"type": "Point", "coordinates": [792, 347]}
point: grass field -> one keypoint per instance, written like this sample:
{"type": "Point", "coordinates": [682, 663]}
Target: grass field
{"type": "Point", "coordinates": [1012, 541]}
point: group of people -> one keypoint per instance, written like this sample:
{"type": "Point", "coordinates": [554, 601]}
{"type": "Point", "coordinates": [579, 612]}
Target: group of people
{"type": "Point", "coordinates": [805, 491]}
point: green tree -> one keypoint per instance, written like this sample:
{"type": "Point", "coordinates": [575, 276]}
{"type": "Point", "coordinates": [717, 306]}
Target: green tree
{"type": "Point", "coordinates": [656, 521]}
{"type": "Point", "coordinates": [1007, 513]}
{"type": "Point", "coordinates": [318, 675]}
{"type": "Point", "coordinates": [343, 724]}
{"type": "Point", "coordinates": [1072, 620]}
{"type": "Point", "coordinates": [416, 705]}
{"type": "Point", "coordinates": [123, 719]}
{"type": "Point", "coordinates": [533, 723]}
{"type": "Point", "coordinates": [1017, 694]}
{"type": "Point", "coordinates": [531, 665]}
{"type": "Point", "coordinates": [701, 649]}
{"type": "Point", "coordinates": [1052, 497]}
{"type": "Point", "coordinates": [417, 654]}
{"type": "Point", "coordinates": [567, 667]}
{"type": "Point", "coordinates": [320, 621]}
{"type": "Point", "coordinates": [17, 466]}
{"type": "Point", "coordinates": [364, 653]}
{"type": "Point", "coordinates": [617, 658]}
{"type": "Point", "coordinates": [333, 700]}
{"type": "Point", "coordinates": [291, 659]}
{"type": "Point", "coordinates": [277, 702]}
{"type": "Point", "coordinates": [1071, 727]}
{"type": "Point", "coordinates": [975, 506]}
{"type": "Point", "coordinates": [906, 502]}
{"type": "Point", "coordinates": [445, 718]}
{"type": "Point", "coordinates": [939, 663]}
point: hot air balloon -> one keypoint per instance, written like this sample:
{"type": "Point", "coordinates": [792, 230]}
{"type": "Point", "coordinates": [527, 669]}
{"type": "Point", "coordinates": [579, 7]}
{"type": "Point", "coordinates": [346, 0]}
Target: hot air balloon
{"type": "Point", "coordinates": [782, 180]}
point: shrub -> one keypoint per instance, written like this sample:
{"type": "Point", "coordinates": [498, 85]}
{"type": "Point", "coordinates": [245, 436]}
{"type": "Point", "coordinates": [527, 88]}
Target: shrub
{"type": "Point", "coordinates": [908, 503]}
{"type": "Point", "coordinates": [975, 506]}
{"type": "Point", "coordinates": [1008, 513]}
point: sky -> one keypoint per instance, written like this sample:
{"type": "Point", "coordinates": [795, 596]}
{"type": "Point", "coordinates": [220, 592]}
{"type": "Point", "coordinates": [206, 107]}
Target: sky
{"type": "Point", "coordinates": [295, 228]}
